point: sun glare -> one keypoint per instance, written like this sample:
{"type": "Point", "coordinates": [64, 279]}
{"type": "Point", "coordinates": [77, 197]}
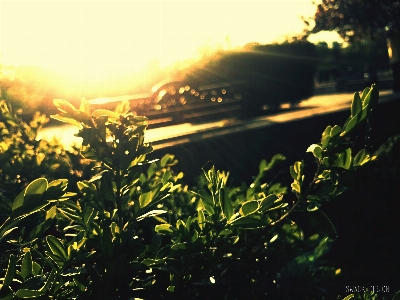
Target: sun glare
{"type": "Point", "coordinates": [97, 40]}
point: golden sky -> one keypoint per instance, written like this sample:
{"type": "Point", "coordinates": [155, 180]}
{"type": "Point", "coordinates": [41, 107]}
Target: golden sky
{"type": "Point", "coordinates": [93, 39]}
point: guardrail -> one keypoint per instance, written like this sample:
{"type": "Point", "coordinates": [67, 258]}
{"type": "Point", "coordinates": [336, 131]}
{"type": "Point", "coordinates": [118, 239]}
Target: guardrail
{"type": "Point", "coordinates": [174, 102]}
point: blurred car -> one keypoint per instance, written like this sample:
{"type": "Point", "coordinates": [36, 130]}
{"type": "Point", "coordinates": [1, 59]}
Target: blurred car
{"type": "Point", "coordinates": [243, 84]}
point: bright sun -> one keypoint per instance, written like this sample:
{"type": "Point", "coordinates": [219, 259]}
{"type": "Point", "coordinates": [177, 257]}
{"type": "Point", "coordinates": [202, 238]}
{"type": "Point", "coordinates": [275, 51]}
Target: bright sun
{"type": "Point", "coordinates": [98, 40]}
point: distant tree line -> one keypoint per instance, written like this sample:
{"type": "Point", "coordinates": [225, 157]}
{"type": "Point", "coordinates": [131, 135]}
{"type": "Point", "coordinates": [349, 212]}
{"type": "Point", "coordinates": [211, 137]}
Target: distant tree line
{"type": "Point", "coordinates": [276, 73]}
{"type": "Point", "coordinates": [362, 22]}
{"type": "Point", "coordinates": [352, 60]}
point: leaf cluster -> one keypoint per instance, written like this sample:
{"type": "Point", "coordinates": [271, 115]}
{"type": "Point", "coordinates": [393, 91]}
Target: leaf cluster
{"type": "Point", "coordinates": [133, 230]}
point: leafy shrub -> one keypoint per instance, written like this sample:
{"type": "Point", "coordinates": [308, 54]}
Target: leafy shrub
{"type": "Point", "coordinates": [134, 230]}
{"type": "Point", "coordinates": [23, 158]}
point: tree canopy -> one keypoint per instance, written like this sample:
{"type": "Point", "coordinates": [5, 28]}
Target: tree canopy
{"type": "Point", "coordinates": [357, 19]}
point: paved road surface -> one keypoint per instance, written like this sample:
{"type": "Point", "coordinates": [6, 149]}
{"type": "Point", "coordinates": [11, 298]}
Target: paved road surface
{"type": "Point", "coordinates": [187, 132]}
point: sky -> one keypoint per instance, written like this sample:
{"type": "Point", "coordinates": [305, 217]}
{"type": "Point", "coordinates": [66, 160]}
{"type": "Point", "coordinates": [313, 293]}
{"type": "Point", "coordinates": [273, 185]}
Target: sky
{"type": "Point", "coordinates": [94, 39]}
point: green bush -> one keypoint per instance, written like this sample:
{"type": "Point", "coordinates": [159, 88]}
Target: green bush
{"type": "Point", "coordinates": [134, 230]}
{"type": "Point", "coordinates": [23, 158]}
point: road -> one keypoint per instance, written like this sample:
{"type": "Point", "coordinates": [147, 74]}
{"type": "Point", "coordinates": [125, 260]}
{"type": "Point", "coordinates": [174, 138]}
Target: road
{"type": "Point", "coordinates": [188, 132]}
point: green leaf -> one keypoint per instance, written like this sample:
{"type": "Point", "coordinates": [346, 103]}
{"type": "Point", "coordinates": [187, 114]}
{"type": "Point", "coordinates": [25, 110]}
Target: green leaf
{"type": "Point", "coordinates": [269, 202]}
{"type": "Point", "coordinates": [27, 265]}
{"type": "Point", "coordinates": [33, 283]}
{"type": "Point", "coordinates": [359, 158]}
{"type": "Point", "coordinates": [296, 187]}
{"type": "Point", "coordinates": [85, 106]}
{"type": "Point", "coordinates": [201, 219]}
{"type": "Point", "coordinates": [56, 247]}
{"type": "Point", "coordinates": [73, 271]}
{"type": "Point", "coordinates": [19, 200]}
{"type": "Point", "coordinates": [293, 172]}
{"type": "Point", "coordinates": [36, 187]}
{"type": "Point", "coordinates": [25, 293]}
{"type": "Point", "coordinates": [64, 106]}
{"type": "Point", "coordinates": [66, 119]}
{"type": "Point", "coordinates": [323, 247]}
{"type": "Point", "coordinates": [248, 222]}
{"type": "Point", "coordinates": [249, 207]}
{"type": "Point", "coordinates": [171, 288]}
{"type": "Point", "coordinates": [336, 130]}
{"type": "Point", "coordinates": [344, 159]}
{"type": "Point", "coordinates": [149, 262]}
{"type": "Point", "coordinates": [207, 202]}
{"type": "Point", "coordinates": [226, 204]}
{"type": "Point", "coordinates": [313, 206]}
{"type": "Point", "coordinates": [10, 273]}
{"type": "Point", "coordinates": [164, 228]}
{"type": "Point", "coordinates": [316, 150]}
{"type": "Point", "coordinates": [106, 243]}
{"type": "Point", "coordinates": [326, 136]}
{"type": "Point", "coordinates": [266, 166]}
{"type": "Point", "coordinates": [152, 213]}
{"type": "Point", "coordinates": [396, 296]}
{"type": "Point", "coordinates": [356, 105]}
{"type": "Point", "coordinates": [374, 96]}
{"type": "Point", "coordinates": [179, 246]}
{"type": "Point", "coordinates": [88, 216]}
{"type": "Point", "coordinates": [361, 117]}
{"type": "Point", "coordinates": [364, 94]}
{"type": "Point", "coordinates": [7, 227]}
{"type": "Point", "coordinates": [262, 165]}
{"type": "Point", "coordinates": [145, 199]}
{"type": "Point", "coordinates": [36, 268]}
{"type": "Point", "coordinates": [32, 204]}
{"type": "Point", "coordinates": [298, 168]}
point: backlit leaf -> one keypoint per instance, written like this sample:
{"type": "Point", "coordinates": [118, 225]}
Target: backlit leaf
{"type": "Point", "coordinates": [323, 247]}
{"type": "Point", "coordinates": [65, 119]}
{"type": "Point", "coordinates": [26, 266]}
{"type": "Point", "coordinates": [56, 247]}
{"type": "Point", "coordinates": [249, 207]}
{"type": "Point", "coordinates": [248, 222]}
{"type": "Point", "coordinates": [85, 106]}
{"type": "Point", "coordinates": [226, 204]}
{"type": "Point", "coordinates": [269, 201]}
{"type": "Point", "coordinates": [326, 136]}
{"type": "Point", "coordinates": [316, 150]}
{"type": "Point", "coordinates": [356, 105]}
{"type": "Point", "coordinates": [164, 228]}
{"type": "Point", "coordinates": [145, 199]}
{"type": "Point", "coordinates": [336, 130]}
{"type": "Point", "coordinates": [201, 219]}
{"type": "Point", "coordinates": [10, 273]}
{"type": "Point", "coordinates": [64, 106]}
{"type": "Point", "coordinates": [25, 293]}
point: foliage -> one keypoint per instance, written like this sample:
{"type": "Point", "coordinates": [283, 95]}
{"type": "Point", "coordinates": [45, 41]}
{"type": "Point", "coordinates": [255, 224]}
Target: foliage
{"type": "Point", "coordinates": [368, 294]}
{"type": "Point", "coordinates": [23, 158]}
{"type": "Point", "coordinates": [134, 231]}
{"type": "Point", "coordinates": [356, 20]}
{"type": "Point", "coordinates": [351, 60]}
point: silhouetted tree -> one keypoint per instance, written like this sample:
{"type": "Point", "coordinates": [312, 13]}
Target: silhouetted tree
{"type": "Point", "coordinates": [356, 20]}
